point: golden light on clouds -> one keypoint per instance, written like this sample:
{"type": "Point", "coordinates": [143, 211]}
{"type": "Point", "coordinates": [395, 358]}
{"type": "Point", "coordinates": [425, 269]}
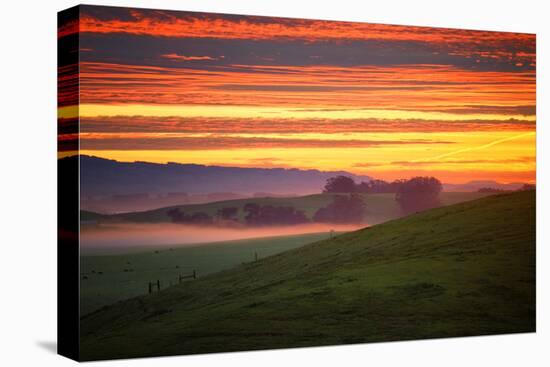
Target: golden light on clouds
{"type": "Point", "coordinates": [384, 101]}
{"type": "Point", "coordinates": [94, 110]}
{"type": "Point", "coordinates": [467, 156]}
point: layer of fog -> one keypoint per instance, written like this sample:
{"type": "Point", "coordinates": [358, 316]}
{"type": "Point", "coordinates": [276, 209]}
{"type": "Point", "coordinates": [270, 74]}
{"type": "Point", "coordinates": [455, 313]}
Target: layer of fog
{"type": "Point", "coordinates": [125, 237]}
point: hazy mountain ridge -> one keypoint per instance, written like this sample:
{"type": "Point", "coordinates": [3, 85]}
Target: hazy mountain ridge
{"type": "Point", "coordinates": [109, 177]}
{"type": "Point", "coordinates": [110, 186]}
{"type": "Point", "coordinates": [479, 184]}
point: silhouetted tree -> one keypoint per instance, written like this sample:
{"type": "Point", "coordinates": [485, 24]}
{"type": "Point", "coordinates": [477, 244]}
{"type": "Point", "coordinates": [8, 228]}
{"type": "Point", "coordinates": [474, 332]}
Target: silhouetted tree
{"type": "Point", "coordinates": [273, 215]}
{"type": "Point", "coordinates": [252, 211]}
{"type": "Point", "coordinates": [343, 209]}
{"type": "Point", "coordinates": [396, 185]}
{"type": "Point", "coordinates": [362, 187]}
{"type": "Point", "coordinates": [418, 193]}
{"type": "Point", "coordinates": [200, 218]}
{"type": "Point", "coordinates": [376, 187]}
{"type": "Point", "coordinates": [176, 215]}
{"type": "Point", "coordinates": [323, 215]}
{"type": "Point", "coordinates": [229, 213]}
{"type": "Point", "coordinates": [379, 187]}
{"type": "Point", "coordinates": [526, 187]}
{"type": "Point", "coordinates": [339, 184]}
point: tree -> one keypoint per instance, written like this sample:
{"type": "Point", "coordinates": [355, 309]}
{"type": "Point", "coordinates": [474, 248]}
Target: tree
{"type": "Point", "coordinates": [273, 215]}
{"type": "Point", "coordinates": [229, 213]}
{"type": "Point", "coordinates": [363, 187]}
{"type": "Point", "coordinates": [176, 215]}
{"type": "Point", "coordinates": [376, 187]}
{"type": "Point", "coordinates": [200, 218]}
{"type": "Point", "coordinates": [339, 184]}
{"type": "Point", "coordinates": [343, 209]}
{"type": "Point", "coordinates": [252, 211]}
{"type": "Point", "coordinates": [379, 186]}
{"type": "Point", "coordinates": [418, 193]}
{"type": "Point", "coordinates": [396, 184]}
{"type": "Point", "coordinates": [323, 215]}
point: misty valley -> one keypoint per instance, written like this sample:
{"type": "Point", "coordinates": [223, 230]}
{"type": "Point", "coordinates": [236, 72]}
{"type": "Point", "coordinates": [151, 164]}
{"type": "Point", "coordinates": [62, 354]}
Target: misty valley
{"type": "Point", "coordinates": [123, 254]}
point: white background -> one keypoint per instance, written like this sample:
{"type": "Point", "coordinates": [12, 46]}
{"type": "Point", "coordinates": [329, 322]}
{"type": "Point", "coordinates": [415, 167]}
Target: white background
{"type": "Point", "coordinates": [28, 183]}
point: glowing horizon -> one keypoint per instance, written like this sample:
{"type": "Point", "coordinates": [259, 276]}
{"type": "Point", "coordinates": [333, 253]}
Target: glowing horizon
{"type": "Point", "coordinates": [379, 100]}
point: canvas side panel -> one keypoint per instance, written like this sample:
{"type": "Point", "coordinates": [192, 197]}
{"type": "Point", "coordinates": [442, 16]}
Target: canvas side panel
{"type": "Point", "coordinates": [68, 259]}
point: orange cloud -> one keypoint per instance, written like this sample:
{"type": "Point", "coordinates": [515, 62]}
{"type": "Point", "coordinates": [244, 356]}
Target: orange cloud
{"type": "Point", "coordinates": [186, 24]}
{"type": "Point", "coordinates": [466, 113]}
{"type": "Point", "coordinates": [472, 44]}
{"type": "Point", "coordinates": [212, 125]}
{"type": "Point", "coordinates": [413, 87]}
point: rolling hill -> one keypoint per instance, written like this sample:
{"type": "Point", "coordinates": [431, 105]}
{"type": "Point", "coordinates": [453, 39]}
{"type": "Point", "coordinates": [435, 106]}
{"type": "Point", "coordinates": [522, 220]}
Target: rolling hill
{"type": "Point", "coordinates": [109, 177]}
{"type": "Point", "coordinates": [379, 207]}
{"type": "Point", "coordinates": [465, 269]}
{"type": "Point", "coordinates": [110, 186]}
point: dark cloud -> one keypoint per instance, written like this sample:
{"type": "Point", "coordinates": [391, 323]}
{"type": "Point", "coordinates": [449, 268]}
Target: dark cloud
{"type": "Point", "coordinates": [148, 50]}
{"type": "Point", "coordinates": [142, 124]}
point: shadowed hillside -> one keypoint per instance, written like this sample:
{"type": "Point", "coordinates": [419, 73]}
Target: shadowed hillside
{"type": "Point", "coordinates": [379, 207]}
{"type": "Point", "coordinates": [465, 269]}
{"type": "Point", "coordinates": [109, 186]}
{"type": "Point", "coordinates": [104, 176]}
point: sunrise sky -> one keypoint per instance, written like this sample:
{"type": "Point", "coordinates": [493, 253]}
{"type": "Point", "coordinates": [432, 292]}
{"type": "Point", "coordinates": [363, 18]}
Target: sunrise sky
{"type": "Point", "coordinates": [384, 101]}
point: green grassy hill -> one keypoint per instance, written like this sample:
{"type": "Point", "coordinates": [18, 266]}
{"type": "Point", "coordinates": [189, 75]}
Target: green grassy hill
{"type": "Point", "coordinates": [380, 207]}
{"type": "Point", "coordinates": [465, 269]}
{"type": "Point", "coordinates": [106, 279]}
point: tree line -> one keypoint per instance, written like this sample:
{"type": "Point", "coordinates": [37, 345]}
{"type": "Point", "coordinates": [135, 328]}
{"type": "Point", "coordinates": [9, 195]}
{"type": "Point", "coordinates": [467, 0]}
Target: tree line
{"type": "Point", "coordinates": [342, 209]}
{"type": "Point", "coordinates": [415, 194]}
{"type": "Point", "coordinates": [346, 207]}
{"type": "Point", "coordinates": [254, 215]}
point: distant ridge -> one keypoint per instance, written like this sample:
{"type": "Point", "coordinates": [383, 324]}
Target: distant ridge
{"type": "Point", "coordinates": [101, 176]}
{"type": "Point", "coordinates": [476, 185]}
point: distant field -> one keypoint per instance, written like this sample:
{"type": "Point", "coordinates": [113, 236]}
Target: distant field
{"type": "Point", "coordinates": [107, 281]}
{"type": "Point", "coordinates": [466, 269]}
{"type": "Point", "coordinates": [380, 207]}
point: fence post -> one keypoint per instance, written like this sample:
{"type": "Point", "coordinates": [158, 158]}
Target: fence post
{"type": "Point", "coordinates": [158, 285]}
{"type": "Point", "coordinates": [255, 256]}
{"type": "Point", "coordinates": [194, 274]}
{"type": "Point", "coordinates": [180, 278]}
{"type": "Point", "coordinates": [150, 288]}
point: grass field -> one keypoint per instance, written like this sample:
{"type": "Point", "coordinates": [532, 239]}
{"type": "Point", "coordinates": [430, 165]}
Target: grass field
{"type": "Point", "coordinates": [110, 278]}
{"type": "Point", "coordinates": [379, 207]}
{"type": "Point", "coordinates": [466, 269]}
